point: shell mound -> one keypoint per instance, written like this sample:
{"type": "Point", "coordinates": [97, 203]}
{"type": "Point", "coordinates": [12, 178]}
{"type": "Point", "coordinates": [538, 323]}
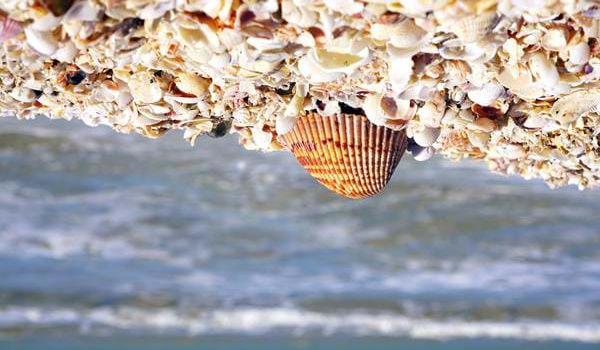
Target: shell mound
{"type": "Point", "coordinates": [346, 153]}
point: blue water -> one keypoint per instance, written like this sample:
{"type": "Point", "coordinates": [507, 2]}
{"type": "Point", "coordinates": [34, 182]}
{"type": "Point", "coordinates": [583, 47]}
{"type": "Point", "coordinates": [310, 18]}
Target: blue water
{"type": "Point", "coordinates": [118, 238]}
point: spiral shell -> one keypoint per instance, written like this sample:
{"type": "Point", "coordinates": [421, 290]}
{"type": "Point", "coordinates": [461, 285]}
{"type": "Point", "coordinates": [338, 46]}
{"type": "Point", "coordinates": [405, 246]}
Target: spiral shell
{"type": "Point", "coordinates": [346, 153]}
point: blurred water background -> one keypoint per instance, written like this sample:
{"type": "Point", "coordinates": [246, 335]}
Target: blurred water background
{"type": "Point", "coordinates": [112, 241]}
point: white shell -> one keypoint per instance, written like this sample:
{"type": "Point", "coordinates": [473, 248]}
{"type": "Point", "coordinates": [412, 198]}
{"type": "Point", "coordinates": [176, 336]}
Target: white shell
{"type": "Point", "coordinates": [486, 95]}
{"type": "Point", "coordinates": [544, 69]}
{"type": "Point", "coordinates": [389, 112]}
{"type": "Point", "coordinates": [285, 124]}
{"type": "Point", "coordinates": [153, 11]}
{"type": "Point", "coordinates": [473, 28]}
{"type": "Point", "coordinates": [85, 11]}
{"type": "Point", "coordinates": [321, 65]}
{"type": "Point", "coordinates": [262, 139]}
{"type": "Point", "coordinates": [426, 136]}
{"type": "Point", "coordinates": [569, 108]}
{"type": "Point", "coordinates": [431, 113]}
{"type": "Point", "coordinates": [67, 53]}
{"type": "Point", "coordinates": [45, 23]}
{"type": "Point", "coordinates": [23, 94]}
{"type": "Point", "coordinates": [536, 122]}
{"type": "Point", "coordinates": [579, 54]}
{"type": "Point", "coordinates": [400, 72]}
{"type": "Point", "coordinates": [144, 88]}
{"type": "Point", "coordinates": [554, 40]}
{"type": "Point", "coordinates": [405, 34]}
{"type": "Point", "coordinates": [43, 42]}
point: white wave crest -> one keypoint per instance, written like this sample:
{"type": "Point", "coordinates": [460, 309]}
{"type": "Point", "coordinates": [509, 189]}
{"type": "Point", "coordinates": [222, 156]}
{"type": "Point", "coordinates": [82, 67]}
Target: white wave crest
{"type": "Point", "coordinates": [294, 322]}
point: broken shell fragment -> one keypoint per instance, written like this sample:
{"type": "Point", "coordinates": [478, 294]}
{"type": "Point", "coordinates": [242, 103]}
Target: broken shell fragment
{"type": "Point", "coordinates": [43, 42]}
{"type": "Point", "coordinates": [9, 28]}
{"type": "Point", "coordinates": [192, 84]}
{"type": "Point", "coordinates": [568, 108]}
{"type": "Point", "coordinates": [144, 88]}
{"type": "Point", "coordinates": [346, 153]}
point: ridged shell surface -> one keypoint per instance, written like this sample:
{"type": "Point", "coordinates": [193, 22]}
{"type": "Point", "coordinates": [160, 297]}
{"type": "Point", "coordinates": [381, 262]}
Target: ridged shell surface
{"type": "Point", "coordinates": [346, 153]}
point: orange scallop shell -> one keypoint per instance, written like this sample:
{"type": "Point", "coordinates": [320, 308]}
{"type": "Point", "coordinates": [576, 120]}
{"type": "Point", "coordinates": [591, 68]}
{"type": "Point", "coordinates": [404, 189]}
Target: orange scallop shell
{"type": "Point", "coordinates": [346, 153]}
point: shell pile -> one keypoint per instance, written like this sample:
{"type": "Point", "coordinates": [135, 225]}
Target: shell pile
{"type": "Point", "coordinates": [346, 153]}
{"type": "Point", "coordinates": [515, 83]}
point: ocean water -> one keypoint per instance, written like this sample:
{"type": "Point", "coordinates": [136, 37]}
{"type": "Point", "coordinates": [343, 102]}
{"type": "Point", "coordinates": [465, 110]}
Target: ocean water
{"type": "Point", "coordinates": [111, 241]}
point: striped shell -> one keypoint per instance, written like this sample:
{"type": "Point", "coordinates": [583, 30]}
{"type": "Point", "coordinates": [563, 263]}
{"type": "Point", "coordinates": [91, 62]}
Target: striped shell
{"type": "Point", "coordinates": [474, 28]}
{"type": "Point", "coordinates": [9, 28]}
{"type": "Point", "coordinates": [346, 153]}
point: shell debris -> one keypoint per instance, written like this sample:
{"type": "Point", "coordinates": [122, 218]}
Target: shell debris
{"type": "Point", "coordinates": [513, 83]}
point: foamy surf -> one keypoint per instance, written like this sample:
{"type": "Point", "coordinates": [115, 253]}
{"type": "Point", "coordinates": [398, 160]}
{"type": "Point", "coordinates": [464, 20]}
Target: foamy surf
{"type": "Point", "coordinates": [289, 321]}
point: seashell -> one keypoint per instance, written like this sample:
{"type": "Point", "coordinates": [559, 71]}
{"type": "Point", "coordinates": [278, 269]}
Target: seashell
{"type": "Point", "coordinates": [411, 7]}
{"type": "Point", "coordinates": [43, 42]}
{"type": "Point", "coordinates": [192, 84]}
{"type": "Point", "coordinates": [46, 23]}
{"type": "Point", "coordinates": [388, 112]}
{"type": "Point", "coordinates": [57, 7]}
{"type": "Point", "coordinates": [569, 108]}
{"type": "Point", "coordinates": [154, 11]}
{"type": "Point", "coordinates": [431, 113]}
{"type": "Point", "coordinates": [320, 66]}
{"type": "Point", "coordinates": [285, 123]}
{"type": "Point", "coordinates": [473, 28]}
{"type": "Point", "coordinates": [400, 72]}
{"type": "Point", "coordinates": [536, 122]}
{"type": "Point", "coordinates": [181, 99]}
{"type": "Point", "coordinates": [468, 52]}
{"type": "Point", "coordinates": [23, 94]}
{"type": "Point", "coordinates": [9, 28]}
{"type": "Point", "coordinates": [478, 139]}
{"type": "Point", "coordinates": [67, 53]}
{"type": "Point", "coordinates": [426, 136]}
{"type": "Point", "coordinates": [261, 137]}
{"type": "Point", "coordinates": [579, 54]}
{"type": "Point", "coordinates": [405, 34]}
{"type": "Point", "coordinates": [486, 95]}
{"type": "Point", "coordinates": [346, 153]}
{"type": "Point", "coordinates": [521, 83]}
{"type": "Point", "coordinates": [483, 124]}
{"type": "Point", "coordinates": [421, 154]}
{"type": "Point", "coordinates": [544, 70]}
{"type": "Point", "coordinates": [554, 40]}
{"type": "Point", "coordinates": [348, 7]}
{"type": "Point", "coordinates": [298, 15]}
{"type": "Point", "coordinates": [144, 87]}
{"type": "Point", "coordinates": [85, 10]}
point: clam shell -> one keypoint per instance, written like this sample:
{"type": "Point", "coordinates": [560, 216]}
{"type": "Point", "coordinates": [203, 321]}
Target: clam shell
{"type": "Point", "coordinates": [346, 153]}
{"type": "Point", "coordinates": [474, 28]}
